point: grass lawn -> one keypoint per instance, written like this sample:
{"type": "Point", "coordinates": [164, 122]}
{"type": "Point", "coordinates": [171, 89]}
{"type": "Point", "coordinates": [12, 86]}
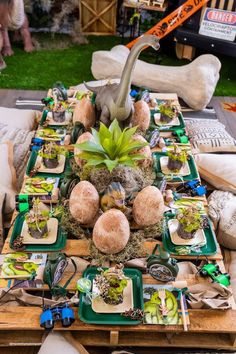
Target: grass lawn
{"type": "Point", "coordinates": [71, 65]}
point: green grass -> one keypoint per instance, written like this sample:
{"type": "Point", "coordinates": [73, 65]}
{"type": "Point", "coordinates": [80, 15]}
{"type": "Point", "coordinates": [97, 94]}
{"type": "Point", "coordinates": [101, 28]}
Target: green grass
{"type": "Point", "coordinates": [40, 69]}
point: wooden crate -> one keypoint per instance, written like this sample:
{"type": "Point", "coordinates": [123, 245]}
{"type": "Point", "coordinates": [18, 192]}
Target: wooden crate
{"type": "Point", "coordinates": [98, 17]}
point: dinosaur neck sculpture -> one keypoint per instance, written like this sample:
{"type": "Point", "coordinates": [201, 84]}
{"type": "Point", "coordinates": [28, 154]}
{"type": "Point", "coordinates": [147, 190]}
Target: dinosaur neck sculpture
{"type": "Point", "coordinates": [114, 100]}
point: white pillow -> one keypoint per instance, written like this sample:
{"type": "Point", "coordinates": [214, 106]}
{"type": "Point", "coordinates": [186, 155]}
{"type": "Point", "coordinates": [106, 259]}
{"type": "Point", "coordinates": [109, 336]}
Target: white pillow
{"type": "Point", "coordinates": [7, 175]}
{"type": "Point", "coordinates": [18, 118]}
{"type": "Point", "coordinates": [218, 170]}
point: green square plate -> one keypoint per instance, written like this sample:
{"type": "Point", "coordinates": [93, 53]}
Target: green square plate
{"type": "Point", "coordinates": [31, 163]}
{"type": "Point", "coordinates": [209, 249]}
{"type": "Point", "coordinates": [193, 170]}
{"type": "Point", "coordinates": [87, 315]}
{"type": "Point", "coordinates": [57, 246]}
{"type": "Point", "coordinates": [166, 128]}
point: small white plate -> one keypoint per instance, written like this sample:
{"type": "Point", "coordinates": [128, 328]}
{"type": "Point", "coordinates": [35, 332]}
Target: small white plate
{"type": "Point", "coordinates": [174, 122]}
{"type": "Point", "coordinates": [184, 171]}
{"type": "Point", "coordinates": [50, 239]}
{"type": "Point", "coordinates": [199, 237]}
{"type": "Point", "coordinates": [99, 306]}
{"type": "Point", "coordinates": [51, 121]}
{"type": "Point", "coordinates": [58, 169]}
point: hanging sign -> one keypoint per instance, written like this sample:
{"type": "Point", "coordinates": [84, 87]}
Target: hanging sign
{"type": "Point", "coordinates": [219, 24]}
{"type": "Point", "coordinates": [173, 20]}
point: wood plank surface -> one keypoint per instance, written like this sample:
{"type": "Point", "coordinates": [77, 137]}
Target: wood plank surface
{"type": "Point", "coordinates": [201, 321]}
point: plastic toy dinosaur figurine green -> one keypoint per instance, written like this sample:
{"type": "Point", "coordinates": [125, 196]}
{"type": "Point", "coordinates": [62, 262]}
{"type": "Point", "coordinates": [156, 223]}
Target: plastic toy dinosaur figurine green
{"type": "Point", "coordinates": [114, 101]}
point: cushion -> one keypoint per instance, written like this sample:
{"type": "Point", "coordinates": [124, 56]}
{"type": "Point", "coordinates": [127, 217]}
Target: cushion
{"type": "Point", "coordinates": [18, 118]}
{"type": "Point", "coordinates": [21, 140]}
{"type": "Point", "coordinates": [56, 343]}
{"type": "Point", "coordinates": [207, 135]}
{"type": "Point", "coordinates": [2, 199]}
{"type": "Point", "coordinates": [222, 210]}
{"type": "Point", "coordinates": [218, 169]}
{"type": "Point", "coordinates": [230, 267]}
{"type": "Point", "coordinates": [8, 178]}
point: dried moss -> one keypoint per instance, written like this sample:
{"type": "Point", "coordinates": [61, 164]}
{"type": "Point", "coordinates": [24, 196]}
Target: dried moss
{"type": "Point", "coordinates": [131, 179]}
{"type": "Point", "coordinates": [72, 226]}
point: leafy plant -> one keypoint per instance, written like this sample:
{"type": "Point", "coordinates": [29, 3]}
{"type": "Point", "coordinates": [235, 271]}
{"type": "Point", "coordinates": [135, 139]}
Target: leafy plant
{"type": "Point", "coordinates": [191, 219]}
{"type": "Point", "coordinates": [36, 218]}
{"type": "Point", "coordinates": [51, 151]}
{"type": "Point", "coordinates": [178, 154]}
{"type": "Point", "coordinates": [168, 109]}
{"type": "Point", "coordinates": [111, 284]}
{"type": "Point", "coordinates": [112, 147]}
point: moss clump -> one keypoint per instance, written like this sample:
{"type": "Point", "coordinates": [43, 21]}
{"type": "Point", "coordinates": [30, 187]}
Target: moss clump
{"type": "Point", "coordinates": [72, 227]}
{"type": "Point", "coordinates": [131, 179]}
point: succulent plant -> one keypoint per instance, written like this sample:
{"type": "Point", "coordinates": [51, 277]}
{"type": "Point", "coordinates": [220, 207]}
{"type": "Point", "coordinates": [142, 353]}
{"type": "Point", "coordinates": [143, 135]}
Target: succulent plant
{"type": "Point", "coordinates": [51, 151]}
{"type": "Point", "coordinates": [111, 284]}
{"type": "Point", "coordinates": [178, 154]}
{"type": "Point", "coordinates": [191, 219]}
{"type": "Point", "coordinates": [168, 109]}
{"type": "Point", "coordinates": [37, 219]}
{"type": "Point", "coordinates": [112, 147]}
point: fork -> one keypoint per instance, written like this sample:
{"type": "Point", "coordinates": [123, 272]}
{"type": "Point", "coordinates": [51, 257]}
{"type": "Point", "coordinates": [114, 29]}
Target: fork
{"type": "Point", "coordinates": [162, 296]}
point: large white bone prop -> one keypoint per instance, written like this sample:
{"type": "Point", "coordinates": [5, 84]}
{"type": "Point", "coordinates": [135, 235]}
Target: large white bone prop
{"type": "Point", "coordinates": [195, 82]}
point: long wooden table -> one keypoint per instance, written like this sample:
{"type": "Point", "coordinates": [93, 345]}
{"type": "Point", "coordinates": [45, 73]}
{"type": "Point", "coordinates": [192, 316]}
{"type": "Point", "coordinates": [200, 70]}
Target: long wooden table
{"type": "Point", "coordinates": [208, 328]}
{"type": "Point", "coordinates": [19, 326]}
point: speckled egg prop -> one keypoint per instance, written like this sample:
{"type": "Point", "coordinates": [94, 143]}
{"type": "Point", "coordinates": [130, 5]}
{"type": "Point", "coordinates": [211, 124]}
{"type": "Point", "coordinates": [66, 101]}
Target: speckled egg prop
{"type": "Point", "coordinates": [84, 112]}
{"type": "Point", "coordinates": [148, 207]}
{"type": "Point", "coordinates": [84, 202]}
{"type": "Point", "coordinates": [141, 116]}
{"type": "Point", "coordinates": [82, 138]}
{"type": "Point", "coordinates": [111, 232]}
{"type": "Point", "coordinates": [145, 151]}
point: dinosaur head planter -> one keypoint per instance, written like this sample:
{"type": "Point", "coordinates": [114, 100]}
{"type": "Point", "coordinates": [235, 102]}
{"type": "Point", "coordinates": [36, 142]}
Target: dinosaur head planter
{"type": "Point", "coordinates": [114, 101]}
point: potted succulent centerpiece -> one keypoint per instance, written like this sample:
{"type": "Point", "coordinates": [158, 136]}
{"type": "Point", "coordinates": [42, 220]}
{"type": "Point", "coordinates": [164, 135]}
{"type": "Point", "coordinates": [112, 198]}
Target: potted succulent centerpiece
{"type": "Point", "coordinates": [111, 155]}
{"type": "Point", "coordinates": [177, 157]}
{"type": "Point", "coordinates": [190, 221]}
{"type": "Point", "coordinates": [116, 178]}
{"type": "Point", "coordinates": [168, 112]}
{"type": "Point", "coordinates": [111, 284]}
{"type": "Point", "coordinates": [36, 220]}
{"type": "Point", "coordinates": [50, 154]}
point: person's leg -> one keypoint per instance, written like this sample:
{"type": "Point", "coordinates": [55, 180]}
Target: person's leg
{"type": "Point", "coordinates": [2, 62]}
{"type": "Point", "coordinates": [6, 48]}
{"type": "Point", "coordinates": [25, 33]}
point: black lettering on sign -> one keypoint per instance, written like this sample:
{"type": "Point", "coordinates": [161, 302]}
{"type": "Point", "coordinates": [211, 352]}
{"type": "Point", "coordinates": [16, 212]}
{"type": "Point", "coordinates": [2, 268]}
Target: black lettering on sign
{"type": "Point", "coordinates": [181, 15]}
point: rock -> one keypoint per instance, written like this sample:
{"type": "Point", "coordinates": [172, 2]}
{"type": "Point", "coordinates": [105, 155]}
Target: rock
{"type": "Point", "coordinates": [195, 83]}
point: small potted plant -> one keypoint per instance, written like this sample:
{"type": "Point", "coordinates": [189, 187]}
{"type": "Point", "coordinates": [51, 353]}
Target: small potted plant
{"type": "Point", "coordinates": [190, 221]}
{"type": "Point", "coordinates": [168, 112]}
{"type": "Point", "coordinates": [50, 154]}
{"type": "Point", "coordinates": [177, 157]}
{"type": "Point", "coordinates": [59, 112]}
{"type": "Point", "coordinates": [111, 284]}
{"type": "Point", "coordinates": [36, 220]}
